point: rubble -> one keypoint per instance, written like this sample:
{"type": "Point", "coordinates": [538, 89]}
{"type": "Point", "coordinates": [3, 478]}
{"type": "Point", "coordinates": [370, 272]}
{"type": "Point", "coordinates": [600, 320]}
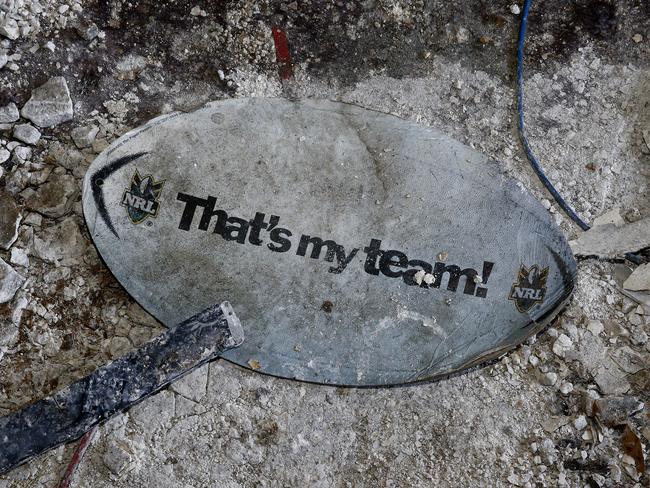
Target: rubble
{"type": "Point", "coordinates": [9, 220]}
{"type": "Point", "coordinates": [55, 197]}
{"type": "Point", "coordinates": [84, 136]}
{"type": "Point", "coordinates": [61, 243]}
{"type": "Point", "coordinates": [50, 104]}
{"type": "Point", "coordinates": [616, 410]}
{"type": "Point", "coordinates": [585, 112]}
{"type": "Point", "coordinates": [27, 133]}
{"type": "Point", "coordinates": [613, 241]}
{"type": "Point", "coordinates": [9, 28]}
{"type": "Point", "coordinates": [10, 282]}
{"type": "Point", "coordinates": [9, 113]}
{"type": "Point", "coordinates": [639, 280]}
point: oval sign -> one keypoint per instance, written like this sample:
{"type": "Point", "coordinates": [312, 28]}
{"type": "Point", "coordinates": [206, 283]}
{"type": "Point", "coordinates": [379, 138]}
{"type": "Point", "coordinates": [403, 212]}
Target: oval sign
{"type": "Point", "coordinates": [357, 248]}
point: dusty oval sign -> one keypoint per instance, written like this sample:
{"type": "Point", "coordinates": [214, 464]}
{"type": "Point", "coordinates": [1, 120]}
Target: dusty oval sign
{"type": "Point", "coordinates": [357, 248]}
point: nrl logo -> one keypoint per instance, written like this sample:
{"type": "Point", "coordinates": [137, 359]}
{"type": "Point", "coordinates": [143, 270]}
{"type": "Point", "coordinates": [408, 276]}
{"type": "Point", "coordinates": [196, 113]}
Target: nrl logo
{"type": "Point", "coordinates": [530, 287]}
{"type": "Point", "coordinates": [141, 200]}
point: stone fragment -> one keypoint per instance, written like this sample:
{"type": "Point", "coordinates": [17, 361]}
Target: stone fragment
{"type": "Point", "coordinates": [611, 241]}
{"type": "Point", "coordinates": [616, 410]}
{"type": "Point", "coordinates": [4, 155]}
{"type": "Point", "coordinates": [55, 197]}
{"type": "Point", "coordinates": [62, 243]}
{"type": "Point", "coordinates": [27, 133]}
{"type": "Point", "coordinates": [10, 282]}
{"type": "Point", "coordinates": [580, 422]}
{"type": "Point", "coordinates": [87, 30]}
{"type": "Point", "coordinates": [611, 381]}
{"type": "Point", "coordinates": [9, 220]}
{"type": "Point", "coordinates": [629, 360]}
{"type": "Point", "coordinates": [50, 104]}
{"type": "Point", "coordinates": [3, 59]}
{"type": "Point", "coordinates": [9, 28]}
{"type": "Point", "coordinates": [84, 136]}
{"type": "Point", "coordinates": [548, 379]}
{"type": "Point", "coordinates": [22, 154]}
{"type": "Point", "coordinates": [612, 217]}
{"type": "Point", "coordinates": [639, 280]}
{"type": "Point", "coordinates": [9, 114]}
{"type": "Point", "coordinates": [130, 66]}
{"type": "Point", "coordinates": [19, 257]}
{"type": "Point", "coordinates": [595, 327]}
{"type": "Point", "coordinates": [562, 345]}
{"type": "Point", "coordinates": [566, 388]}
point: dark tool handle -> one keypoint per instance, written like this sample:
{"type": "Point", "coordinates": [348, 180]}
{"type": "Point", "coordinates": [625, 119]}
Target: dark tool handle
{"type": "Point", "coordinates": [113, 388]}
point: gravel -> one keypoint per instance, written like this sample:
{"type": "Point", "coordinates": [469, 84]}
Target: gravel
{"type": "Point", "coordinates": [551, 413]}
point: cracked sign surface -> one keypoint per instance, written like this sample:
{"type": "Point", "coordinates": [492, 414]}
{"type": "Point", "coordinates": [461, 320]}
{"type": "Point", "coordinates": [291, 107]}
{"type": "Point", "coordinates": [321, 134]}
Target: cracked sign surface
{"type": "Point", "coordinates": [357, 247]}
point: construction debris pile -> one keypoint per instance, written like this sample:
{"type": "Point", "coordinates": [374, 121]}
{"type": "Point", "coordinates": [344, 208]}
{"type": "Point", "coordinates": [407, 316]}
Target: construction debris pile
{"type": "Point", "coordinates": [568, 408]}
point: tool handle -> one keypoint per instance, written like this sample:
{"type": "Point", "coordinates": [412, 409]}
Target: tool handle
{"type": "Point", "coordinates": [117, 386]}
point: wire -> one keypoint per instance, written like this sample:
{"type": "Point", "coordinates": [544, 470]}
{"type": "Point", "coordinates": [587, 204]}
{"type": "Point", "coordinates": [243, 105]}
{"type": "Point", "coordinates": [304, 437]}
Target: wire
{"type": "Point", "coordinates": [522, 131]}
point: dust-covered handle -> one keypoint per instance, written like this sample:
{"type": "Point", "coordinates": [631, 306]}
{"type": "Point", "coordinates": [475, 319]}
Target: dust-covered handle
{"type": "Point", "coordinates": [113, 388]}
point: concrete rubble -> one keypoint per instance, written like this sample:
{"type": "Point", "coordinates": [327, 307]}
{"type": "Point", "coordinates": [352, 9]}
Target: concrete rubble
{"type": "Point", "coordinates": [50, 104]}
{"type": "Point", "coordinates": [10, 282]}
{"type": "Point", "coordinates": [568, 408]}
{"type": "Point", "coordinates": [612, 240]}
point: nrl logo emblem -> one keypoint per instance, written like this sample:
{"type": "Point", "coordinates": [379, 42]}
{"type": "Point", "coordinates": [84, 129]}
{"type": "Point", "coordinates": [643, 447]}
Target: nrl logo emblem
{"type": "Point", "coordinates": [530, 287]}
{"type": "Point", "coordinates": [141, 200]}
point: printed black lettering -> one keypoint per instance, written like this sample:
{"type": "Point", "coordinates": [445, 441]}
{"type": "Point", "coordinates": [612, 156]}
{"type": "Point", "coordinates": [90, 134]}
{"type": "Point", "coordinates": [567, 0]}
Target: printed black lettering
{"type": "Point", "coordinates": [373, 251]}
{"type": "Point", "coordinates": [257, 225]}
{"type": "Point", "coordinates": [317, 245]}
{"type": "Point", "coordinates": [392, 258]}
{"type": "Point", "coordinates": [454, 277]}
{"type": "Point", "coordinates": [409, 276]}
{"type": "Point", "coordinates": [236, 230]}
{"type": "Point", "coordinates": [284, 244]}
{"type": "Point", "coordinates": [191, 202]}
{"type": "Point", "coordinates": [342, 259]}
{"type": "Point", "coordinates": [391, 263]}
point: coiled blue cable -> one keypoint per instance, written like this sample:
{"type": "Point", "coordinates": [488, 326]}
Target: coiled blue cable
{"type": "Point", "coordinates": [522, 132]}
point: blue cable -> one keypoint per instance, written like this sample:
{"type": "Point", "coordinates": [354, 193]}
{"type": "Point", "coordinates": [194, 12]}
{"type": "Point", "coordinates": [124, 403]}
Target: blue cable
{"type": "Point", "coordinates": [522, 131]}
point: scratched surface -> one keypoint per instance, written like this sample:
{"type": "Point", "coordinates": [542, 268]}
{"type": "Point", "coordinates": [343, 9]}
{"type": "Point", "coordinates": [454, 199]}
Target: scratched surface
{"type": "Point", "coordinates": [249, 183]}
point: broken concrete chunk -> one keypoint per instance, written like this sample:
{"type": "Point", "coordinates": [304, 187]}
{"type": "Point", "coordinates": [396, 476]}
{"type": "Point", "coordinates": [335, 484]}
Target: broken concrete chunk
{"type": "Point", "coordinates": [613, 217]}
{"type": "Point", "coordinates": [10, 282]}
{"type": "Point", "coordinates": [87, 30]}
{"type": "Point", "coordinates": [611, 380]}
{"type": "Point", "coordinates": [61, 243]}
{"type": "Point", "coordinates": [84, 136]}
{"type": "Point", "coordinates": [19, 257]}
{"type": "Point", "coordinates": [639, 280]}
{"type": "Point", "coordinates": [562, 345]}
{"type": "Point", "coordinates": [611, 241]}
{"type": "Point", "coordinates": [55, 197]}
{"type": "Point", "coordinates": [9, 28]}
{"type": "Point", "coordinates": [22, 154]}
{"type": "Point", "coordinates": [50, 104]}
{"type": "Point", "coordinates": [616, 410]}
{"type": "Point", "coordinates": [27, 133]}
{"type": "Point", "coordinates": [9, 114]}
{"type": "Point", "coordinates": [9, 220]}
{"type": "Point", "coordinates": [629, 360]}
{"type": "Point", "coordinates": [130, 66]}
